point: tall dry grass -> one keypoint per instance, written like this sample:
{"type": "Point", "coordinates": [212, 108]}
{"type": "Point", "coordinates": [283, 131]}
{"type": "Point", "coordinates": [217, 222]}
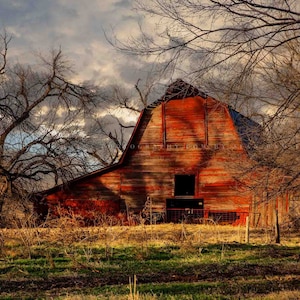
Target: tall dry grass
{"type": "Point", "coordinates": [108, 236]}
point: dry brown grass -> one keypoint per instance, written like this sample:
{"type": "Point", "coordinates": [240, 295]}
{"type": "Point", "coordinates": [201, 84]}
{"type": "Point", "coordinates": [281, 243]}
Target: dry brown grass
{"type": "Point", "coordinates": [164, 234]}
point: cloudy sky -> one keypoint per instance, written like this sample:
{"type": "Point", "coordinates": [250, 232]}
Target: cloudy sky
{"type": "Point", "coordinates": [78, 28]}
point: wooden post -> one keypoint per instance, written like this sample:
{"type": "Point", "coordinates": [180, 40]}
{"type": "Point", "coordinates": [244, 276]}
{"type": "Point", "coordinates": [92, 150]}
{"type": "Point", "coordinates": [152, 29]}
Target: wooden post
{"type": "Point", "coordinates": [277, 230]}
{"type": "Point", "coordinates": [151, 212]}
{"type": "Point", "coordinates": [247, 230]}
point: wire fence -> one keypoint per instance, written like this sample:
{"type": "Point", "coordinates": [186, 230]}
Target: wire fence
{"type": "Point", "coordinates": [205, 216]}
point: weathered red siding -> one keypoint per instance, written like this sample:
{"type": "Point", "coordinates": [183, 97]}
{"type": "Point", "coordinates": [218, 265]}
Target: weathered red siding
{"type": "Point", "coordinates": [197, 135]}
{"type": "Point", "coordinates": [193, 136]}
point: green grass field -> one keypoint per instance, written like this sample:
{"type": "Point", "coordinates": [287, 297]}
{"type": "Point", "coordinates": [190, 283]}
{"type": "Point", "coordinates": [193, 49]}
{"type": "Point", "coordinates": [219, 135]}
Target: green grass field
{"type": "Point", "coordinates": [167, 261]}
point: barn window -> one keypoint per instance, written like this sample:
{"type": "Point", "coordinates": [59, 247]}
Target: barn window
{"type": "Point", "coordinates": [184, 185]}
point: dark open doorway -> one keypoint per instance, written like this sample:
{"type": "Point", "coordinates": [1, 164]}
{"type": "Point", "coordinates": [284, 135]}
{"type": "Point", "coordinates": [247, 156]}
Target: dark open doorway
{"type": "Point", "coordinates": [184, 185]}
{"type": "Point", "coordinates": [176, 203]}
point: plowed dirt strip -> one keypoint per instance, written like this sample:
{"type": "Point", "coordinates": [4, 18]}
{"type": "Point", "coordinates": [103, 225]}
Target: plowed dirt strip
{"type": "Point", "coordinates": [275, 277]}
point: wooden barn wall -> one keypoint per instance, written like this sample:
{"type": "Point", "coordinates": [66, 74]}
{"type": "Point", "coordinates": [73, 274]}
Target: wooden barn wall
{"type": "Point", "coordinates": [188, 136]}
{"type": "Point", "coordinates": [263, 210]}
{"type": "Point", "coordinates": [88, 197]}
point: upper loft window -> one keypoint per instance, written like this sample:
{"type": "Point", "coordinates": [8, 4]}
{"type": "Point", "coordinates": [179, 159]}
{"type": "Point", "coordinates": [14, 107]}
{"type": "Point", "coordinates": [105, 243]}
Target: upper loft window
{"type": "Point", "coordinates": [184, 185]}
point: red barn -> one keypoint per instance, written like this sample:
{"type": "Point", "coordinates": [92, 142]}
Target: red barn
{"type": "Point", "coordinates": [178, 164]}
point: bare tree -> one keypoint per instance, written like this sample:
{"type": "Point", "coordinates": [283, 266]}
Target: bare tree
{"type": "Point", "coordinates": [272, 98]}
{"type": "Point", "coordinates": [214, 31]}
{"type": "Point", "coordinates": [212, 38]}
{"type": "Point", "coordinates": [42, 140]}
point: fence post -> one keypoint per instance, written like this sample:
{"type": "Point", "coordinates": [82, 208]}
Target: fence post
{"type": "Point", "coordinates": [247, 230]}
{"type": "Point", "coordinates": [151, 212]}
{"type": "Point", "coordinates": [277, 230]}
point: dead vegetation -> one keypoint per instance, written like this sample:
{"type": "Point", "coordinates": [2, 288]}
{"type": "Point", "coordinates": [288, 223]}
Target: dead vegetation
{"type": "Point", "coordinates": [69, 260]}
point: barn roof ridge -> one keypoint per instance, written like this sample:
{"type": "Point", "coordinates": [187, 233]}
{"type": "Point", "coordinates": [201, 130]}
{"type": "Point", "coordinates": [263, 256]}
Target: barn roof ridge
{"type": "Point", "coordinates": [179, 89]}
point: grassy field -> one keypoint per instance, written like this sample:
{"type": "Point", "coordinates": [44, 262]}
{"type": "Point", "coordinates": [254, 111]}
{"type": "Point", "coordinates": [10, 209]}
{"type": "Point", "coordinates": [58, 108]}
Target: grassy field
{"type": "Point", "coordinates": [167, 261]}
